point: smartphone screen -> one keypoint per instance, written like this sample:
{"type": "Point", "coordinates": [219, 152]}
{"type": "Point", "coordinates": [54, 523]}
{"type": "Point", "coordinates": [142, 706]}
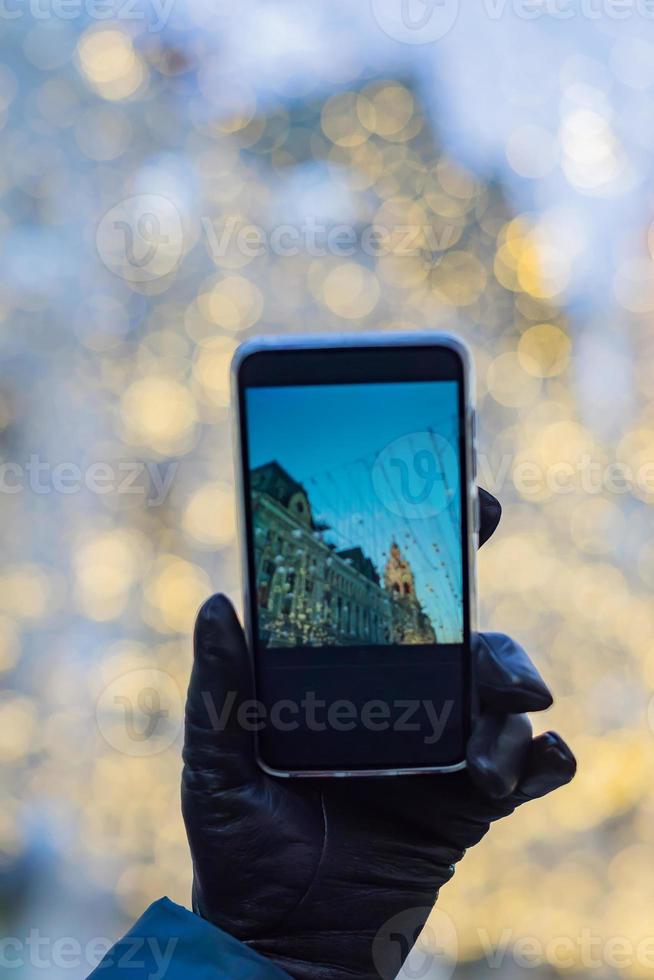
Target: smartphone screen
{"type": "Point", "coordinates": [355, 504]}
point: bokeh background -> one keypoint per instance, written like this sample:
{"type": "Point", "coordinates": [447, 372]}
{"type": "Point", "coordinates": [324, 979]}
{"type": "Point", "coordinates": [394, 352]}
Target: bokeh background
{"type": "Point", "coordinates": [153, 158]}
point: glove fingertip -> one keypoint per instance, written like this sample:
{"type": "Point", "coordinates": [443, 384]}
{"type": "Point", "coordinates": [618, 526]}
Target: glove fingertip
{"type": "Point", "coordinates": [507, 678]}
{"type": "Point", "coordinates": [491, 782]}
{"type": "Point", "coordinates": [518, 698]}
{"type": "Point", "coordinates": [550, 765]}
{"type": "Point", "coordinates": [497, 751]}
{"type": "Point", "coordinates": [490, 512]}
{"type": "Point", "coordinates": [215, 607]}
{"type": "Point", "coordinates": [216, 620]}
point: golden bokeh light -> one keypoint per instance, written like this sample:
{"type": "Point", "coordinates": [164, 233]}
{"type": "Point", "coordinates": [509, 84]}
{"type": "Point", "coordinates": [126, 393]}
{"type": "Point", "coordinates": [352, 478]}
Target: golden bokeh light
{"type": "Point", "coordinates": [509, 383]}
{"type": "Point", "coordinates": [160, 413]}
{"type": "Point", "coordinates": [209, 515]}
{"type": "Point", "coordinates": [350, 290]}
{"type": "Point", "coordinates": [544, 350]}
{"type": "Point", "coordinates": [106, 567]}
{"type": "Point", "coordinates": [342, 119]}
{"type": "Point", "coordinates": [234, 304]}
{"type": "Point", "coordinates": [109, 63]}
{"type": "Point", "coordinates": [174, 590]}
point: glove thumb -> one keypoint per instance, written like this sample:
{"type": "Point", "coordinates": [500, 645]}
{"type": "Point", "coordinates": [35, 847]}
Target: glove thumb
{"type": "Point", "coordinates": [218, 733]}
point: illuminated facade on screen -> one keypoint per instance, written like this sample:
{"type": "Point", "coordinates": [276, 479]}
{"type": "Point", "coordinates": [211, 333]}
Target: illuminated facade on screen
{"type": "Point", "coordinates": [309, 592]}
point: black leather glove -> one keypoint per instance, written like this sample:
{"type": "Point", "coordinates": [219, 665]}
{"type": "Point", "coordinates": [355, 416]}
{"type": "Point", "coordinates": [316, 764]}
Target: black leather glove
{"type": "Point", "coordinates": [307, 871]}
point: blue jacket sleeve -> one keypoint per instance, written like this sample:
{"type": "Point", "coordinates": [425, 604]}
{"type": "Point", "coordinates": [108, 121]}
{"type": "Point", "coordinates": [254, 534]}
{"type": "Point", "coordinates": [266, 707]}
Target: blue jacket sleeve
{"type": "Point", "coordinates": [170, 943]}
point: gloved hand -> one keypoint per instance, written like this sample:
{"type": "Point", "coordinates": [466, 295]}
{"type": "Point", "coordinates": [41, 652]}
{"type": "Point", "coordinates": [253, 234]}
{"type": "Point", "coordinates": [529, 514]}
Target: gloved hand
{"type": "Point", "coordinates": [307, 871]}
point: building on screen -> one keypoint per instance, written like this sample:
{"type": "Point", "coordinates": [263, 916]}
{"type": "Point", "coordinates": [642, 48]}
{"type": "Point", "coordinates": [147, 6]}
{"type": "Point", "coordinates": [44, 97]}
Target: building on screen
{"type": "Point", "coordinates": [309, 593]}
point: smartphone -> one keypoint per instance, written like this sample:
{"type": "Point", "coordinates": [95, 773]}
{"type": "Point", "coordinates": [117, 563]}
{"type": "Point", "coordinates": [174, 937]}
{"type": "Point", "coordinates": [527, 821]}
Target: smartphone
{"type": "Point", "coordinates": [358, 517]}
